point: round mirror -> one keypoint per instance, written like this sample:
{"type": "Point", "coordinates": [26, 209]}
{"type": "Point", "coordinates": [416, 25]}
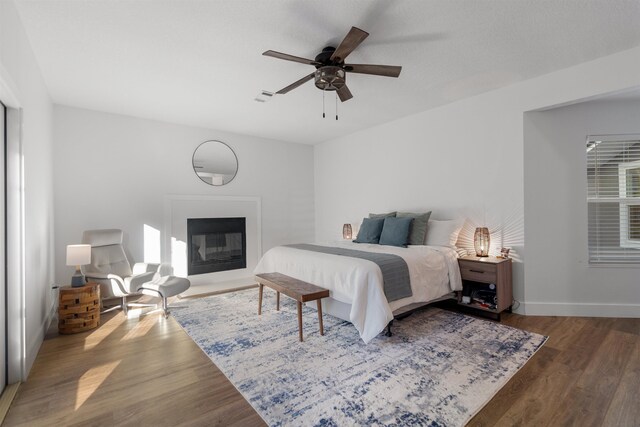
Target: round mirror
{"type": "Point", "coordinates": [215, 162]}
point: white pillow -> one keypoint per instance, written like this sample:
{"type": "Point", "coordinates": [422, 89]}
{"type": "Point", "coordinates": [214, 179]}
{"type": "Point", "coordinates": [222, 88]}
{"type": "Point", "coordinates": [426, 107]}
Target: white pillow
{"type": "Point", "coordinates": [443, 233]}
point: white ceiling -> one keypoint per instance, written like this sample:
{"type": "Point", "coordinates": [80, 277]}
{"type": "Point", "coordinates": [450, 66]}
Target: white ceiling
{"type": "Point", "coordinates": [199, 62]}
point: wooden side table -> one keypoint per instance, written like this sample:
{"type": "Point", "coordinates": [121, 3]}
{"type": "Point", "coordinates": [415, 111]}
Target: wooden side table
{"type": "Point", "coordinates": [476, 271]}
{"type": "Point", "coordinates": [78, 308]}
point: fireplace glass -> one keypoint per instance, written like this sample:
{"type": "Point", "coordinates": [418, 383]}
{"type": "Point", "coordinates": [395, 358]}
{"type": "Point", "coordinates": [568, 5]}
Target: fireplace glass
{"type": "Point", "coordinates": [216, 244]}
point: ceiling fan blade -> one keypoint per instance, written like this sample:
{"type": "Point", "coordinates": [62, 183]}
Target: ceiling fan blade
{"type": "Point", "coordinates": [378, 70]}
{"type": "Point", "coordinates": [288, 57]}
{"type": "Point", "coordinates": [344, 93]}
{"type": "Point", "coordinates": [296, 84]}
{"type": "Point", "coordinates": [351, 41]}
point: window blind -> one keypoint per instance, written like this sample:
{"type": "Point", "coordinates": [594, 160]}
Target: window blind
{"type": "Point", "coordinates": [613, 199]}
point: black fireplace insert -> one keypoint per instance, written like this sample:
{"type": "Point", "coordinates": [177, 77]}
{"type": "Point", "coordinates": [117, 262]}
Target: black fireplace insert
{"type": "Point", "coordinates": [216, 244]}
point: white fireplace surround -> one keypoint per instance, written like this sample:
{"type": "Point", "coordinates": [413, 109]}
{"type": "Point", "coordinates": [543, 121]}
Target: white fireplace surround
{"type": "Point", "coordinates": [177, 208]}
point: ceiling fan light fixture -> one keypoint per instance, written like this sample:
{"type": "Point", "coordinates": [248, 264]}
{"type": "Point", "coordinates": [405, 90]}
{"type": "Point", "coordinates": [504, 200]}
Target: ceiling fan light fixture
{"type": "Point", "coordinates": [330, 77]}
{"type": "Point", "coordinates": [331, 71]}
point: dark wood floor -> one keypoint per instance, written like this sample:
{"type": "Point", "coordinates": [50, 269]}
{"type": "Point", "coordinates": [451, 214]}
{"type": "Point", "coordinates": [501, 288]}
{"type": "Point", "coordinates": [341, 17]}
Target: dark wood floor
{"type": "Point", "coordinates": [147, 371]}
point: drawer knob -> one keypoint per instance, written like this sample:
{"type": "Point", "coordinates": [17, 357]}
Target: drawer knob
{"type": "Point", "coordinates": [477, 271]}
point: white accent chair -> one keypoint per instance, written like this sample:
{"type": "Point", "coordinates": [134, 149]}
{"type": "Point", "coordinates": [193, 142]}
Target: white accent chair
{"type": "Point", "coordinates": [111, 269]}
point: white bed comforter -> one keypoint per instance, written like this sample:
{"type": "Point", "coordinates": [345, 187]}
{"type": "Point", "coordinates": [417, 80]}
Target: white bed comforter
{"type": "Point", "coordinates": [433, 270]}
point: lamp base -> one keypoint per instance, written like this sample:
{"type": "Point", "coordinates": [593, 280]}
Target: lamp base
{"type": "Point", "coordinates": [78, 280]}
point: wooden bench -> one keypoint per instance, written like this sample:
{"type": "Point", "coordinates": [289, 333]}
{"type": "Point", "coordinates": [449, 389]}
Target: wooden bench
{"type": "Point", "coordinates": [293, 288]}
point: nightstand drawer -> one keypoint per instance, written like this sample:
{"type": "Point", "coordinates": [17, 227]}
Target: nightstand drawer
{"type": "Point", "coordinates": [478, 272]}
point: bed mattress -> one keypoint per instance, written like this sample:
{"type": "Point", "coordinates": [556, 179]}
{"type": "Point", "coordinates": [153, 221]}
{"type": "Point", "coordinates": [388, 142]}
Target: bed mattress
{"type": "Point", "coordinates": [433, 271]}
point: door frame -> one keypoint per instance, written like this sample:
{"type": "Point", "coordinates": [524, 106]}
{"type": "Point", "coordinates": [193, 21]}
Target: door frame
{"type": "Point", "coordinates": [16, 305]}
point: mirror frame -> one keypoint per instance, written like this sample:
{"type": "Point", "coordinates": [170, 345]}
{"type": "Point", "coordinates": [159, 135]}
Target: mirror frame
{"type": "Point", "coordinates": [193, 158]}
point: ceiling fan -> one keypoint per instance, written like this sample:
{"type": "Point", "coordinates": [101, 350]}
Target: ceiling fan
{"type": "Point", "coordinates": [331, 71]}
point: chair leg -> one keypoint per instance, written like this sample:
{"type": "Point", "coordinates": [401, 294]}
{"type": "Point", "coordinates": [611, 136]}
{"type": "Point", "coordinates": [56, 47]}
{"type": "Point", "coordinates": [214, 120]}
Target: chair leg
{"type": "Point", "coordinates": [165, 308]}
{"type": "Point", "coordinates": [125, 307]}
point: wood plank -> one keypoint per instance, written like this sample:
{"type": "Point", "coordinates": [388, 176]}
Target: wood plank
{"type": "Point", "coordinates": [6, 399]}
{"type": "Point", "coordinates": [583, 345]}
{"type": "Point", "coordinates": [624, 409]}
{"type": "Point", "coordinates": [597, 384]}
{"type": "Point", "coordinates": [144, 389]}
{"type": "Point", "coordinates": [523, 396]}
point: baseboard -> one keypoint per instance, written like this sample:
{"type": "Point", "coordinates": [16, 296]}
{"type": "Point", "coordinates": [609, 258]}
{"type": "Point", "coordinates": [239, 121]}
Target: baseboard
{"type": "Point", "coordinates": [34, 344]}
{"type": "Point", "coordinates": [579, 309]}
{"type": "Point", "coordinates": [218, 287]}
{"type": "Point", "coordinates": [218, 292]}
{"type": "Point", "coordinates": [53, 314]}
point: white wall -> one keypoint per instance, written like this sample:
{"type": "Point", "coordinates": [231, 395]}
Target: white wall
{"type": "Point", "coordinates": [113, 171]}
{"type": "Point", "coordinates": [463, 158]}
{"type": "Point", "coordinates": [20, 72]}
{"type": "Point", "coordinates": [558, 276]}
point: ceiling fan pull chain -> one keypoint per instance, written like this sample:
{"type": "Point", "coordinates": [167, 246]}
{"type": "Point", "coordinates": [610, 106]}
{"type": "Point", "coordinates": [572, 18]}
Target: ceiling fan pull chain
{"type": "Point", "coordinates": [323, 103]}
{"type": "Point", "coordinates": [336, 105]}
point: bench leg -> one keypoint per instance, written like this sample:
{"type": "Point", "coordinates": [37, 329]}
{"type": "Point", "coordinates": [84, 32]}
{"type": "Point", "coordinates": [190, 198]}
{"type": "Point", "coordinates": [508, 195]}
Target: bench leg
{"type": "Point", "coordinates": [320, 316]}
{"type": "Point", "coordinates": [278, 301]}
{"type": "Point", "coordinates": [260, 299]}
{"type": "Point", "coordinates": [299, 319]}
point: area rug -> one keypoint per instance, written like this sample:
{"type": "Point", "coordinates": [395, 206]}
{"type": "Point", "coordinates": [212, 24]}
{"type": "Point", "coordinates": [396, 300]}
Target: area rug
{"type": "Point", "coordinates": [438, 369]}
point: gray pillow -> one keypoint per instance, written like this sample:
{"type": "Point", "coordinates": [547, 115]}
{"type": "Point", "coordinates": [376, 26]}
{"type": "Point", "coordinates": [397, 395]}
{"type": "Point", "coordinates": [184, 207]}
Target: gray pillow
{"type": "Point", "coordinates": [418, 232]}
{"type": "Point", "coordinates": [396, 231]}
{"type": "Point", "coordinates": [385, 215]}
{"type": "Point", "coordinates": [370, 230]}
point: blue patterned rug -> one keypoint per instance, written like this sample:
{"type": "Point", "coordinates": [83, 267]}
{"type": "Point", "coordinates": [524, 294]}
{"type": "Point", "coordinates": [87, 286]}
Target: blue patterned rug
{"type": "Point", "coordinates": [439, 369]}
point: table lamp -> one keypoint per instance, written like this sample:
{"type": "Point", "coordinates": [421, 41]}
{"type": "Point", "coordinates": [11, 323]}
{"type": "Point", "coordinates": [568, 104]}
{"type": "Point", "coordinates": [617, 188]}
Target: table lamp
{"type": "Point", "coordinates": [481, 241]}
{"type": "Point", "coordinates": [347, 233]}
{"type": "Point", "coordinates": [78, 255]}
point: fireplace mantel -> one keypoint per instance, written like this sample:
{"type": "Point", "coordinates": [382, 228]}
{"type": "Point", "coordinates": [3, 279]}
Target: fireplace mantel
{"type": "Point", "coordinates": [178, 208]}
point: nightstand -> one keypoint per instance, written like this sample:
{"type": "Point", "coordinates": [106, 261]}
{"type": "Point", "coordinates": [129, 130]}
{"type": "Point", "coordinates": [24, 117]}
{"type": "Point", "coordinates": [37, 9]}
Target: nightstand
{"type": "Point", "coordinates": [479, 274]}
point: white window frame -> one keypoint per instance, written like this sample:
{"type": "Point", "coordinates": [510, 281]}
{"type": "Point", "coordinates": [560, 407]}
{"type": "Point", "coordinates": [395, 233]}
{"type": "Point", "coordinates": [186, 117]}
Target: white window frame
{"type": "Point", "coordinates": [625, 203]}
{"type": "Point", "coordinates": [628, 254]}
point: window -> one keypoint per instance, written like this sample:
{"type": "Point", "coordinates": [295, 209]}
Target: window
{"type": "Point", "coordinates": [629, 180]}
{"type": "Point", "coordinates": [613, 199]}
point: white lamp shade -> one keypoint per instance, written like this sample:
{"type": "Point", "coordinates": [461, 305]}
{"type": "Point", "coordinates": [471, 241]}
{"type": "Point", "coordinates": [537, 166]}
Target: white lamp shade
{"type": "Point", "coordinates": [78, 254]}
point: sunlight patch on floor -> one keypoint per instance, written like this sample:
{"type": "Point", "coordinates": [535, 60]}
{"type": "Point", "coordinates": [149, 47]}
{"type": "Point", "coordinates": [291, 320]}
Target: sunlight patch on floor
{"type": "Point", "coordinates": [98, 335]}
{"type": "Point", "coordinates": [141, 328]}
{"type": "Point", "coordinates": [91, 380]}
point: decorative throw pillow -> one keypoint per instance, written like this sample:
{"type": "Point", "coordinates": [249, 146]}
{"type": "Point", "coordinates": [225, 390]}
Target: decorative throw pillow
{"type": "Point", "coordinates": [370, 230]}
{"type": "Point", "coordinates": [443, 233]}
{"type": "Point", "coordinates": [418, 229]}
{"type": "Point", "coordinates": [395, 231]}
{"type": "Point", "coordinates": [384, 215]}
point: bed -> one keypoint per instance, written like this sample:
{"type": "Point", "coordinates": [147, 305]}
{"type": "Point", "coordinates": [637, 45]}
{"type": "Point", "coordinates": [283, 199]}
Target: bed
{"type": "Point", "coordinates": [356, 285]}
